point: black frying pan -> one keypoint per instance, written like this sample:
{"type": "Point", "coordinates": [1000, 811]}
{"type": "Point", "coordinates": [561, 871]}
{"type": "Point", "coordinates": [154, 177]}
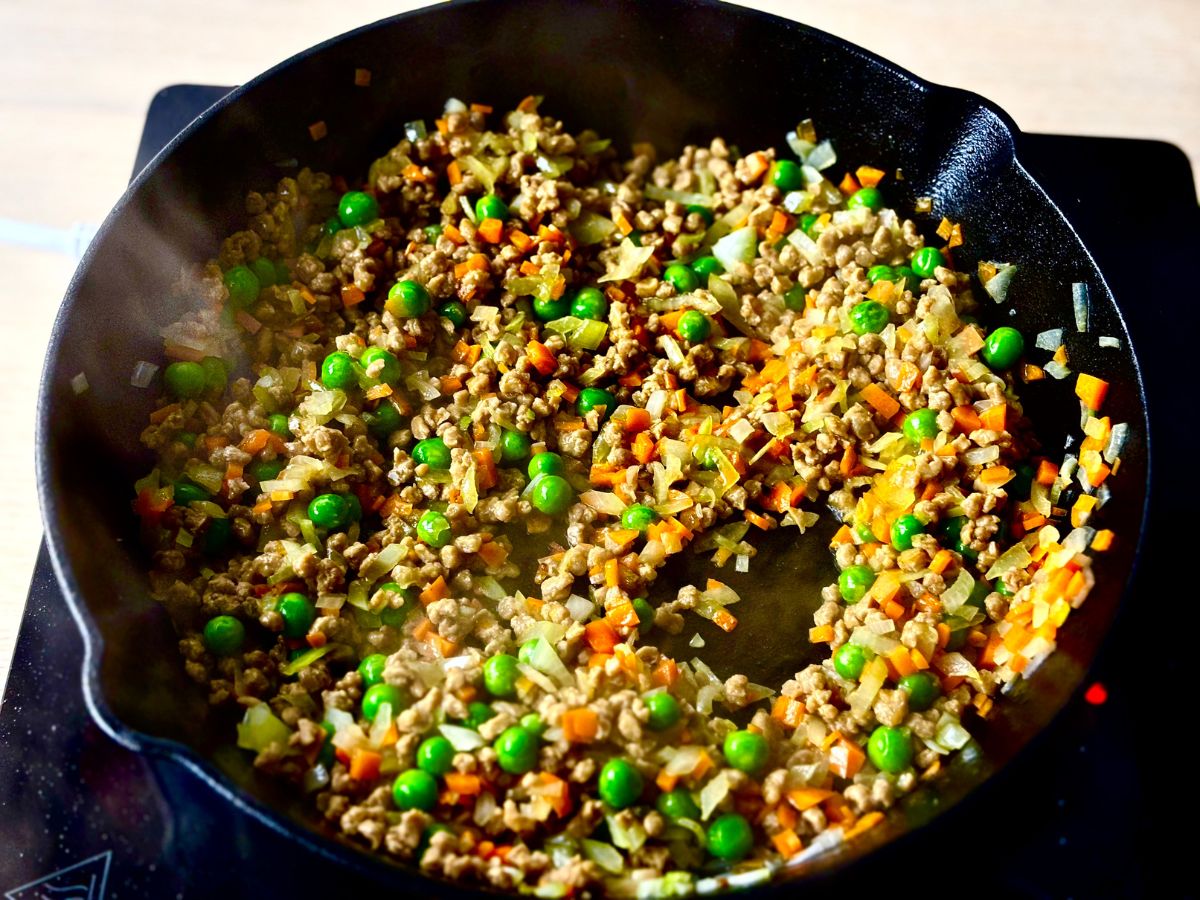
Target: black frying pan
{"type": "Point", "coordinates": [671, 73]}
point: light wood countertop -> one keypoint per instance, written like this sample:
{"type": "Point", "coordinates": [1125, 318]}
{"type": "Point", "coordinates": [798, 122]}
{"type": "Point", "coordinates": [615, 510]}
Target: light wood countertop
{"type": "Point", "coordinates": [76, 77]}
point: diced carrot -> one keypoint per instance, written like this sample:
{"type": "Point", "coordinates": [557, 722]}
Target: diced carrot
{"type": "Point", "coordinates": [480, 108]}
{"type": "Point", "coordinates": [364, 764]}
{"type": "Point", "coordinates": [1047, 472]}
{"type": "Point", "coordinates": [612, 573]}
{"type": "Point", "coordinates": [787, 843]}
{"type": "Point", "coordinates": [580, 725]}
{"type": "Point", "coordinates": [541, 357]}
{"type": "Point", "coordinates": [783, 398]}
{"type": "Point", "coordinates": [995, 476]}
{"type": "Point", "coordinates": [883, 402]}
{"type": "Point", "coordinates": [438, 590]}
{"type": "Point", "coordinates": [994, 417]}
{"type": "Point", "coordinates": [867, 822]}
{"type": "Point", "coordinates": [892, 609]}
{"type": "Point", "coordinates": [379, 391]}
{"type": "Point", "coordinates": [806, 798]}
{"type": "Point", "coordinates": [780, 223]}
{"type": "Point", "coordinates": [758, 521]}
{"type": "Point", "coordinates": [849, 461]}
{"type": "Point", "coordinates": [468, 785]}
{"type": "Point", "coordinates": [843, 536]}
{"type": "Point", "coordinates": [316, 639]}
{"type": "Point", "coordinates": [601, 636]}
{"type": "Point", "coordinates": [665, 672]}
{"type": "Point", "coordinates": [491, 230]}
{"type": "Point", "coordinates": [485, 469]}
{"type": "Point", "coordinates": [849, 184]}
{"type": "Point", "coordinates": [787, 710]}
{"type": "Point", "coordinates": [665, 781]}
{"type": "Point", "coordinates": [1082, 510]}
{"type": "Point", "coordinates": [900, 659]}
{"type": "Point", "coordinates": [1103, 540]}
{"type": "Point", "coordinates": [725, 620]}
{"type": "Point", "coordinates": [163, 413]}
{"type": "Point", "coordinates": [1091, 390]}
{"type": "Point", "coordinates": [820, 634]}
{"type": "Point", "coordinates": [941, 560]}
{"type": "Point", "coordinates": [454, 170]}
{"type": "Point", "coordinates": [868, 176]}
{"type": "Point", "coordinates": [786, 815]}
{"type": "Point", "coordinates": [966, 419]}
{"type": "Point", "coordinates": [453, 234]}
{"type": "Point", "coordinates": [636, 420]}
{"type": "Point", "coordinates": [943, 631]}
{"type": "Point", "coordinates": [352, 295]}
{"type": "Point", "coordinates": [644, 449]}
{"type": "Point", "coordinates": [756, 165]}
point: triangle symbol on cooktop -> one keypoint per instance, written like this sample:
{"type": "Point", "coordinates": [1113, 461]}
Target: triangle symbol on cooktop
{"type": "Point", "coordinates": [85, 880]}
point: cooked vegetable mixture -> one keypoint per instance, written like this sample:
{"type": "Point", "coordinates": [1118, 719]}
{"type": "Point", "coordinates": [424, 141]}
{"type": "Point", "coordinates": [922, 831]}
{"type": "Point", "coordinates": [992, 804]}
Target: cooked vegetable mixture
{"type": "Point", "coordinates": [430, 437]}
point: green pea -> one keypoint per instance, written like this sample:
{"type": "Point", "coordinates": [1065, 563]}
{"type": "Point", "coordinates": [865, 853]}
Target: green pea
{"type": "Point", "coordinates": [678, 804]}
{"type": "Point", "coordinates": [793, 298]}
{"type": "Point", "coordinates": [926, 261]}
{"type": "Point", "coordinates": [953, 531]}
{"type": "Point", "coordinates": [664, 710]}
{"type": "Point", "coordinates": [185, 380]}
{"type": "Point", "coordinates": [703, 212]}
{"type": "Point", "coordinates": [516, 750]}
{"type": "Point", "coordinates": [455, 311]}
{"type": "Point", "coordinates": [395, 615]}
{"type": "Point", "coordinates": [265, 470]}
{"type": "Point", "coordinates": [979, 593]}
{"type": "Point", "coordinates": [415, 789]}
{"type": "Point", "coordinates": [407, 300]}
{"type": "Point", "coordinates": [435, 755]}
{"type": "Point", "coordinates": [549, 309]}
{"type": "Point", "coordinates": [298, 614]}
{"type": "Point", "coordinates": [278, 424]}
{"type": "Point", "coordinates": [787, 176]}
{"type": "Point", "coordinates": [383, 420]}
{"type": "Point", "coordinates": [1002, 589]}
{"type": "Point", "coordinates": [906, 279]}
{"type": "Point", "coordinates": [920, 424]}
{"type": "Point", "coordinates": [1003, 347]}
{"type": "Point", "coordinates": [854, 582]}
{"type": "Point", "coordinates": [217, 536]}
{"type": "Point", "coordinates": [389, 373]}
{"type": "Point", "coordinates": [500, 674]}
{"type": "Point", "coordinates": [645, 612]}
{"type": "Point", "coordinates": [546, 463]}
{"type": "Point", "coordinates": [1022, 484]}
{"type": "Point", "coordinates": [865, 198]}
{"type": "Point", "coordinates": [514, 447]}
{"type": "Point", "coordinates": [432, 233]}
{"type": "Point", "coordinates": [849, 661]}
{"type": "Point", "coordinates": [185, 492]}
{"type": "Point", "coordinates": [694, 327]}
{"type": "Point", "coordinates": [283, 274]}
{"type": "Point", "coordinates": [243, 287]}
{"type": "Point", "coordinates": [890, 749]}
{"type": "Point", "coordinates": [478, 712]}
{"type": "Point", "coordinates": [904, 529]}
{"type": "Point", "coordinates": [224, 635]}
{"type": "Point", "coordinates": [432, 452]}
{"type": "Point", "coordinates": [746, 750]}
{"type": "Point", "coordinates": [868, 317]}
{"type": "Point", "coordinates": [187, 438]}
{"type": "Point", "coordinates": [620, 783]}
{"type": "Point", "coordinates": [635, 237]}
{"type": "Point", "coordinates": [638, 517]}
{"type": "Point", "coordinates": [590, 303]}
{"type": "Point", "coordinates": [377, 695]}
{"type": "Point", "coordinates": [357, 208]}
{"type": "Point", "coordinates": [680, 277]}
{"type": "Point", "coordinates": [880, 273]}
{"type": "Point", "coordinates": [922, 689]}
{"type": "Point", "coordinates": [490, 206]}
{"type": "Point", "coordinates": [434, 528]}
{"type": "Point", "coordinates": [337, 371]}
{"type": "Point", "coordinates": [730, 837]}
{"type": "Point", "coordinates": [329, 510]}
{"type": "Point", "coordinates": [216, 376]}
{"type": "Point", "coordinates": [264, 271]}
{"type": "Point", "coordinates": [533, 723]}
{"type": "Point", "coordinates": [807, 221]}
{"type": "Point", "coordinates": [707, 266]}
{"type": "Point", "coordinates": [371, 669]}
{"type": "Point", "coordinates": [595, 398]}
{"type": "Point", "coordinates": [551, 494]}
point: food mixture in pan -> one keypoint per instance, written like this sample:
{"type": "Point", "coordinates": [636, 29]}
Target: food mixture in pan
{"type": "Point", "coordinates": [432, 434]}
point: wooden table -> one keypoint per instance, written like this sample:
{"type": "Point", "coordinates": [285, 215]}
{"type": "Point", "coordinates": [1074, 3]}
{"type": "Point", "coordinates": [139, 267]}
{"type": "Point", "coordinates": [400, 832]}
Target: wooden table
{"type": "Point", "coordinates": [76, 75]}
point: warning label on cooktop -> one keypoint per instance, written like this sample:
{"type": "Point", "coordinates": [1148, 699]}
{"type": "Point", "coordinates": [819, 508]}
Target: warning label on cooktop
{"type": "Point", "coordinates": [84, 880]}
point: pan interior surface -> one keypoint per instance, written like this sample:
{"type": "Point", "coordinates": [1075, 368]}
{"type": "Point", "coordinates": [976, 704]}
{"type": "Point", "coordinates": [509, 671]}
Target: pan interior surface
{"type": "Point", "coordinates": [630, 71]}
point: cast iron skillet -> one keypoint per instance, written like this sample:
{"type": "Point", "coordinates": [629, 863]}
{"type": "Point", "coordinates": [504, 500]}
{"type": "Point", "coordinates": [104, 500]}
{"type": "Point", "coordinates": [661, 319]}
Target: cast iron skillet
{"type": "Point", "coordinates": [671, 73]}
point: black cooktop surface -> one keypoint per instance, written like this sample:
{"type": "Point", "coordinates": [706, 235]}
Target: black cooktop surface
{"type": "Point", "coordinates": [1098, 806]}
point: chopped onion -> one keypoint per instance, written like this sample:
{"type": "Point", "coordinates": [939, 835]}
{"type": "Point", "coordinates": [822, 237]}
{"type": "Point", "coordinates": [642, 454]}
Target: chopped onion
{"type": "Point", "coordinates": [415, 130]}
{"type": "Point", "coordinates": [957, 664]}
{"type": "Point", "coordinates": [1117, 439]}
{"type": "Point", "coordinates": [1014, 558]}
{"type": "Point", "coordinates": [591, 228]}
{"type": "Point", "coordinates": [950, 733]}
{"type": "Point", "coordinates": [580, 608]}
{"type": "Point", "coordinates": [464, 740]}
{"type": "Point", "coordinates": [736, 247]}
{"type": "Point", "coordinates": [731, 306]}
{"type": "Point", "coordinates": [956, 595]}
{"type": "Point", "coordinates": [807, 247]}
{"type": "Point", "coordinates": [797, 201]}
{"type": "Point", "coordinates": [631, 836]}
{"type": "Point", "coordinates": [684, 760]}
{"type": "Point", "coordinates": [454, 105]}
{"type": "Point", "coordinates": [697, 642]}
{"type": "Point", "coordinates": [379, 725]}
{"type": "Point", "coordinates": [881, 644]}
{"type": "Point", "coordinates": [672, 349]}
{"type": "Point", "coordinates": [1049, 340]}
{"type": "Point", "coordinates": [604, 855]}
{"type": "Point", "coordinates": [978, 456]}
{"type": "Point", "coordinates": [305, 659]}
{"type": "Point", "coordinates": [382, 563]}
{"type": "Point", "coordinates": [997, 285]}
{"type": "Point", "coordinates": [821, 156]}
{"type": "Point", "coordinates": [1081, 303]}
{"type": "Point", "coordinates": [687, 198]}
{"type": "Point", "coordinates": [741, 563]}
{"type": "Point", "coordinates": [628, 262]}
{"type": "Point", "coordinates": [873, 677]}
{"type": "Point", "coordinates": [143, 374]}
{"type": "Point", "coordinates": [1106, 341]}
{"type": "Point", "coordinates": [316, 778]}
{"type": "Point", "coordinates": [1057, 370]}
{"type": "Point", "coordinates": [713, 793]}
{"type": "Point", "coordinates": [260, 728]}
{"type": "Point", "coordinates": [485, 808]}
{"type": "Point", "coordinates": [79, 383]}
{"type": "Point", "coordinates": [799, 145]}
{"type": "Point", "coordinates": [543, 658]}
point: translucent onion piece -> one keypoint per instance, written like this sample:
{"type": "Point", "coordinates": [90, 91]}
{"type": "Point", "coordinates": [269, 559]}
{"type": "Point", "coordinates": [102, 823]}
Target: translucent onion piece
{"type": "Point", "coordinates": [956, 595]}
{"type": "Point", "coordinates": [713, 793]}
{"type": "Point", "coordinates": [1014, 558]}
{"type": "Point", "coordinates": [464, 740]}
{"type": "Point", "coordinates": [143, 374]}
{"type": "Point", "coordinates": [1082, 305]}
{"type": "Point", "coordinates": [259, 729]}
{"type": "Point", "coordinates": [1049, 340]}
